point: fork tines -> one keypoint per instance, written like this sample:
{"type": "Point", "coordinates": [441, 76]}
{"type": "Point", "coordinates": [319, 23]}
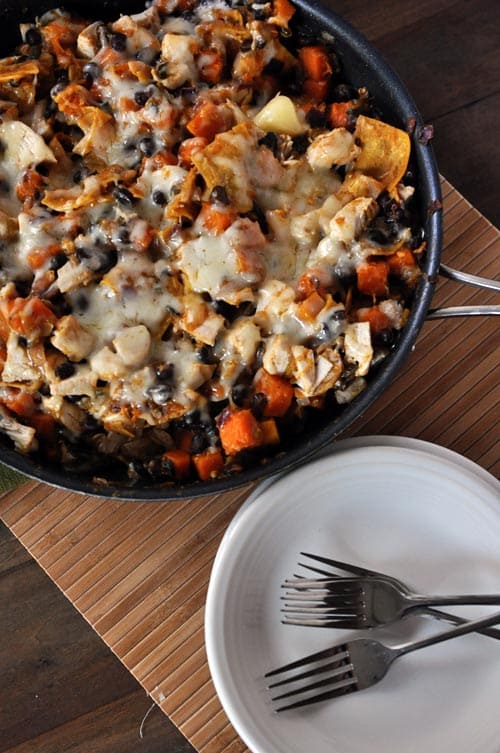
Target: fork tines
{"type": "Point", "coordinates": [338, 678]}
{"type": "Point", "coordinates": [323, 602]}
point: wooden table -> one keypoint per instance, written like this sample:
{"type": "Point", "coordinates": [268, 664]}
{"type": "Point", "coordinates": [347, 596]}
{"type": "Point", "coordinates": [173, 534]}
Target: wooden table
{"type": "Point", "coordinates": [62, 689]}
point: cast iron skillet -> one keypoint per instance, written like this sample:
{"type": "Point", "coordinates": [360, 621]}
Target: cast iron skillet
{"type": "Point", "coordinates": [362, 66]}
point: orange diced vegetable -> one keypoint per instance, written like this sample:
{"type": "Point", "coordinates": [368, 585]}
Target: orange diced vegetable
{"type": "Point", "coordinates": [402, 260]}
{"type": "Point", "coordinates": [313, 280]}
{"type": "Point", "coordinates": [29, 317]}
{"type": "Point", "coordinates": [310, 307]}
{"type": "Point", "coordinates": [216, 219]}
{"type": "Point", "coordinates": [29, 184]}
{"type": "Point", "coordinates": [45, 427]}
{"type": "Point", "coordinates": [208, 121]}
{"type": "Point", "coordinates": [208, 464]}
{"type": "Point", "coordinates": [37, 258]}
{"type": "Point", "coordinates": [239, 430]}
{"type": "Point", "coordinates": [316, 90]}
{"type": "Point", "coordinates": [211, 65]}
{"type": "Point", "coordinates": [181, 463]}
{"type": "Point", "coordinates": [282, 12]}
{"type": "Point", "coordinates": [372, 277]}
{"type": "Point", "coordinates": [376, 318]}
{"type": "Point", "coordinates": [315, 62]}
{"type": "Point", "coordinates": [270, 434]}
{"type": "Point", "coordinates": [278, 391]}
{"type": "Point", "coordinates": [160, 159]}
{"type": "Point", "coordinates": [19, 402]}
{"type": "Point", "coordinates": [190, 147]}
{"type": "Point", "coordinates": [338, 114]}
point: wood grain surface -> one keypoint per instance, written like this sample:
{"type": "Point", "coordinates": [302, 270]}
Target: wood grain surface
{"type": "Point", "coordinates": [62, 689]}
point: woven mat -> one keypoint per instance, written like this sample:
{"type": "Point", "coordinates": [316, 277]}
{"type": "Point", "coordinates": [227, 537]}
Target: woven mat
{"type": "Point", "coordinates": [139, 572]}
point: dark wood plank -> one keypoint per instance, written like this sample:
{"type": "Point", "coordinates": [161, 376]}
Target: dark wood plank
{"type": "Point", "coordinates": [57, 674]}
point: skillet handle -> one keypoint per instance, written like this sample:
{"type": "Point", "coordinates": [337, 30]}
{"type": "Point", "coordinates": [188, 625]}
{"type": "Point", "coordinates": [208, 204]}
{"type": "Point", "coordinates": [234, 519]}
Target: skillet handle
{"type": "Point", "coordinates": [478, 310]}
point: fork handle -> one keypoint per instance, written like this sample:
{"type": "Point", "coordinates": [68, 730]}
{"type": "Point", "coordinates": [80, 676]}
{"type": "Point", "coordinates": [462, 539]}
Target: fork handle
{"type": "Point", "coordinates": [432, 601]}
{"type": "Point", "coordinates": [456, 620]}
{"type": "Point", "coordinates": [468, 627]}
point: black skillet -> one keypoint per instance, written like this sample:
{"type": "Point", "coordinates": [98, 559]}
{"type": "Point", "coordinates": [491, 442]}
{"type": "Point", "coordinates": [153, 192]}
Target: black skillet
{"type": "Point", "coordinates": [362, 66]}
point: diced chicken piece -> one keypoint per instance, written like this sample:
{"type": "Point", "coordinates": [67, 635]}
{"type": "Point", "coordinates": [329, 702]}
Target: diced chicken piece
{"type": "Point", "coordinates": [88, 42]}
{"type": "Point", "coordinates": [72, 339]}
{"type": "Point", "coordinates": [177, 51]}
{"type": "Point", "coordinates": [350, 392]}
{"type": "Point", "coordinates": [394, 311]}
{"type": "Point", "coordinates": [350, 221]}
{"type": "Point", "coordinates": [68, 414]}
{"type": "Point", "coordinates": [277, 355]}
{"type": "Point", "coordinates": [108, 365]}
{"type": "Point", "coordinates": [83, 382]}
{"type": "Point", "coordinates": [275, 301]}
{"type": "Point", "coordinates": [22, 436]}
{"type": "Point", "coordinates": [132, 345]}
{"type": "Point", "coordinates": [334, 148]}
{"type": "Point", "coordinates": [71, 276]}
{"type": "Point", "coordinates": [23, 148]}
{"type": "Point", "coordinates": [200, 320]}
{"type": "Point", "coordinates": [18, 365]}
{"type": "Point", "coordinates": [329, 367]}
{"type": "Point", "coordinates": [358, 346]}
{"type": "Point", "coordinates": [238, 351]}
{"type": "Point", "coordinates": [304, 369]}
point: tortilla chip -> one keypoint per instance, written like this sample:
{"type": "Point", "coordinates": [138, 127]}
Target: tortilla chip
{"type": "Point", "coordinates": [385, 151]}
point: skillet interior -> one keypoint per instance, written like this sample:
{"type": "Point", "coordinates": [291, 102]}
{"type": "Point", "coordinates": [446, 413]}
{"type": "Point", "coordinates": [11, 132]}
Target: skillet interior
{"type": "Point", "coordinates": [362, 66]}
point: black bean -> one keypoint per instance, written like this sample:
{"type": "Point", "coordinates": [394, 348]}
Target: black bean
{"type": "Point", "coordinates": [35, 51]}
{"type": "Point", "coordinates": [141, 97]}
{"type": "Point", "coordinates": [159, 198]}
{"type": "Point", "coordinates": [206, 355]}
{"type": "Point", "coordinates": [99, 260]}
{"type": "Point", "coordinates": [162, 70]}
{"type": "Point", "coordinates": [199, 442]}
{"type": "Point", "coordinates": [257, 404]}
{"type": "Point", "coordinates": [239, 393]}
{"type": "Point", "coordinates": [225, 309]}
{"type": "Point", "coordinates": [165, 373]}
{"type": "Point", "coordinates": [58, 261]}
{"type": "Point", "coordinates": [64, 370]}
{"type": "Point", "coordinates": [91, 424]}
{"type": "Point", "coordinates": [118, 41]}
{"type": "Point", "coordinates": [160, 394]}
{"type": "Point", "coordinates": [33, 36]}
{"type": "Point", "coordinates": [274, 67]}
{"type": "Point", "coordinates": [22, 341]}
{"type": "Point", "coordinates": [129, 145]}
{"type": "Point", "coordinates": [300, 144]}
{"type": "Point", "coordinates": [344, 93]}
{"type": "Point", "coordinates": [123, 235]}
{"type": "Point", "coordinates": [219, 194]}
{"type": "Point", "coordinates": [123, 196]}
{"type": "Point", "coordinates": [91, 72]}
{"type": "Point", "coordinates": [386, 336]}
{"type": "Point", "coordinates": [316, 118]}
{"type": "Point", "coordinates": [192, 418]}
{"type": "Point", "coordinates": [147, 146]}
{"type": "Point", "coordinates": [270, 140]}
{"type": "Point", "coordinates": [259, 353]}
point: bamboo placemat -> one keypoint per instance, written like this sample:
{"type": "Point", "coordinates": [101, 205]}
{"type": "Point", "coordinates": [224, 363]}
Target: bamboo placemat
{"type": "Point", "coordinates": [138, 572]}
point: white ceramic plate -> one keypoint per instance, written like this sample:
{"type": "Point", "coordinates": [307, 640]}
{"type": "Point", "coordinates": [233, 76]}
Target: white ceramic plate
{"type": "Point", "coordinates": [404, 507]}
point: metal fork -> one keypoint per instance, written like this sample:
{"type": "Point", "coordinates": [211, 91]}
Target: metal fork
{"type": "Point", "coordinates": [353, 665]}
{"type": "Point", "coordinates": [348, 567]}
{"type": "Point", "coordinates": [360, 602]}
